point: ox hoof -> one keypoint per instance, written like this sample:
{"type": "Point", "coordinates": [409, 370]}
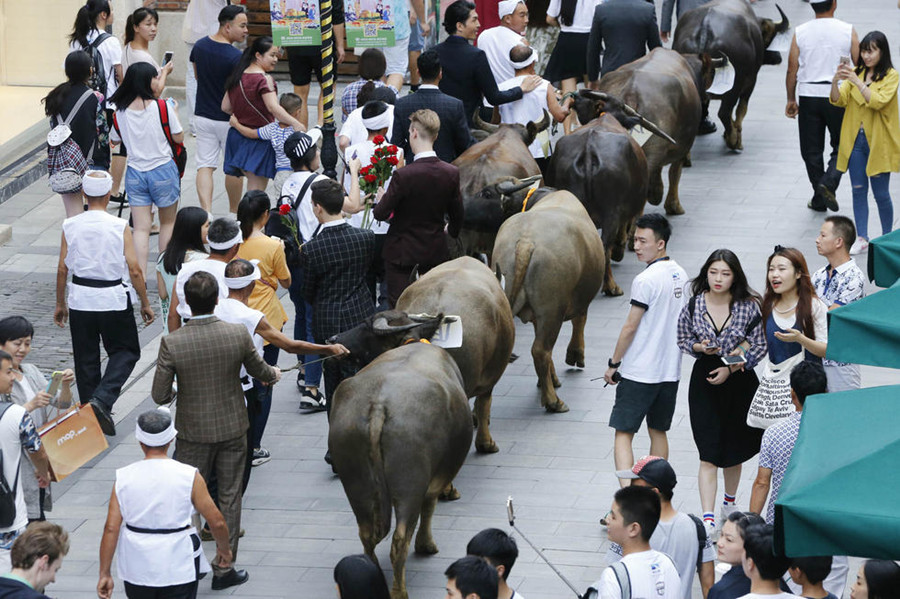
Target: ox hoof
{"type": "Point", "coordinates": [427, 548]}
{"type": "Point", "coordinates": [612, 291]}
{"type": "Point", "coordinates": [617, 253]}
{"type": "Point", "coordinates": [559, 407]}
{"type": "Point", "coordinates": [489, 447]}
{"type": "Point", "coordinates": [575, 358]}
{"type": "Point", "coordinates": [451, 494]}
{"type": "Point", "coordinates": [674, 210]}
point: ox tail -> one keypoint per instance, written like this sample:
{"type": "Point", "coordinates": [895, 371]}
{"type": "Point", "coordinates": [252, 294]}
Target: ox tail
{"type": "Point", "coordinates": [381, 496]}
{"type": "Point", "coordinates": [524, 250]}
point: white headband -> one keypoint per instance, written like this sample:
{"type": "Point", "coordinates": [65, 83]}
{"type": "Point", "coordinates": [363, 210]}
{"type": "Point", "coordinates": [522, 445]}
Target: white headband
{"type": "Point", "coordinates": [527, 61]}
{"type": "Point", "coordinates": [507, 7]}
{"type": "Point", "coordinates": [378, 122]}
{"type": "Point", "coordinates": [96, 184]}
{"type": "Point", "coordinates": [156, 439]}
{"type": "Point", "coordinates": [241, 282]}
{"type": "Point", "coordinates": [227, 245]}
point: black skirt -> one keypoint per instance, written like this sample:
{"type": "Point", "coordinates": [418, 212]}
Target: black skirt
{"type": "Point", "coordinates": [569, 57]}
{"type": "Point", "coordinates": [719, 415]}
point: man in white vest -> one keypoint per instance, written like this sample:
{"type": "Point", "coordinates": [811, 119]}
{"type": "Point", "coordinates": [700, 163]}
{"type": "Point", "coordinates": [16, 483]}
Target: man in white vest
{"type": "Point", "coordinates": [498, 41]}
{"type": "Point", "coordinates": [96, 247]}
{"type": "Point", "coordinates": [817, 49]}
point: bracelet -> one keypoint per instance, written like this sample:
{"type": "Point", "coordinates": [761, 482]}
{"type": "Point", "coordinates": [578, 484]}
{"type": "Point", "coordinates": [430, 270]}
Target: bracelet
{"type": "Point", "coordinates": [741, 348]}
{"type": "Point", "coordinates": [612, 364]}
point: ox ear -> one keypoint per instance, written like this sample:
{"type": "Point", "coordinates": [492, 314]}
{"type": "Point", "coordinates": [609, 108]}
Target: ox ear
{"type": "Point", "coordinates": [380, 326]}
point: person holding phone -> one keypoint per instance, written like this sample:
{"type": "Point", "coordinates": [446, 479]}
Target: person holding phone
{"type": "Point", "coordinates": [722, 318]}
{"type": "Point", "coordinates": [36, 394]}
{"type": "Point", "coordinates": [870, 133]}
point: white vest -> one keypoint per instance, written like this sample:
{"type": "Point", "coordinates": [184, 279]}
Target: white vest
{"type": "Point", "coordinates": [821, 42]}
{"type": "Point", "coordinates": [530, 108]}
{"type": "Point", "coordinates": [96, 250]}
{"type": "Point", "coordinates": [11, 447]}
{"type": "Point", "coordinates": [156, 494]}
{"type": "Point", "coordinates": [496, 43]}
{"type": "Point", "coordinates": [236, 312]}
{"type": "Point", "coordinates": [214, 267]}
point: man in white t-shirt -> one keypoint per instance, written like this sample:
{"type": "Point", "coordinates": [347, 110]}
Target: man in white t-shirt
{"type": "Point", "coordinates": [646, 359]}
{"type": "Point", "coordinates": [679, 535]}
{"type": "Point", "coordinates": [225, 239]}
{"type": "Point", "coordinates": [761, 565]}
{"type": "Point", "coordinates": [646, 572]}
{"type": "Point", "coordinates": [17, 432]}
{"type": "Point", "coordinates": [498, 41]}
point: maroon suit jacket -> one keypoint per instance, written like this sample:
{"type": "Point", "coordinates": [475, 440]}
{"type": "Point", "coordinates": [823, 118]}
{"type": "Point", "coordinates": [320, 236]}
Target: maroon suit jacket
{"type": "Point", "coordinates": [419, 196]}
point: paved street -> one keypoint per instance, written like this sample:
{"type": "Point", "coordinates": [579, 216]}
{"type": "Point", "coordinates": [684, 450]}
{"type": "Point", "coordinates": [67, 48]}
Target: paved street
{"type": "Point", "coordinates": [558, 467]}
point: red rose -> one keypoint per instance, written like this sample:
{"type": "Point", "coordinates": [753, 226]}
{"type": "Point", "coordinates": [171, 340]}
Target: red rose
{"type": "Point", "coordinates": [364, 170]}
{"type": "Point", "coordinates": [284, 209]}
{"type": "Point", "coordinates": [374, 160]}
{"type": "Point", "coordinates": [392, 149]}
{"type": "Point", "coordinates": [393, 161]}
{"type": "Point", "coordinates": [370, 178]}
{"type": "Point", "coordinates": [379, 139]}
{"type": "Point", "coordinates": [378, 151]}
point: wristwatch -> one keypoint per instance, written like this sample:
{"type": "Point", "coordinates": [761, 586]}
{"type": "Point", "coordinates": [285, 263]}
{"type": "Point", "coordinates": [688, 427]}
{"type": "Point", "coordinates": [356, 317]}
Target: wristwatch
{"type": "Point", "coordinates": [612, 364]}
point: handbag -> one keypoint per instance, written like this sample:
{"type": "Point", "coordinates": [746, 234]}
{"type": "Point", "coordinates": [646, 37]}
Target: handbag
{"type": "Point", "coordinates": [179, 152]}
{"type": "Point", "coordinates": [772, 400]}
{"type": "Point", "coordinates": [72, 439]}
{"type": "Point", "coordinates": [65, 162]}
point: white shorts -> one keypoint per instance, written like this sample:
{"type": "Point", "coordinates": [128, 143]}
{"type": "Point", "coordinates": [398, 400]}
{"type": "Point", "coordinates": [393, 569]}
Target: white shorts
{"type": "Point", "coordinates": [843, 378]}
{"type": "Point", "coordinates": [211, 136]}
{"type": "Point", "coordinates": [396, 56]}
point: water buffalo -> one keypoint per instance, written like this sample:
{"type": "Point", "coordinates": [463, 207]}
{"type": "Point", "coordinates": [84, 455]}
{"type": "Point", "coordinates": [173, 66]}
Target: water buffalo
{"type": "Point", "coordinates": [502, 155]}
{"type": "Point", "coordinates": [553, 261]}
{"type": "Point", "coordinates": [467, 288]}
{"type": "Point", "coordinates": [665, 88]}
{"type": "Point", "coordinates": [730, 28]}
{"type": "Point", "coordinates": [399, 432]}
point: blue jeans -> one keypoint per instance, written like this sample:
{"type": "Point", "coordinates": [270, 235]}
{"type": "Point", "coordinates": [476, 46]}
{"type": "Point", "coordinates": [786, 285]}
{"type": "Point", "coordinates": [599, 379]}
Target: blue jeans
{"type": "Point", "coordinates": [264, 397]}
{"type": "Point", "coordinates": [303, 314]}
{"type": "Point", "coordinates": [880, 183]}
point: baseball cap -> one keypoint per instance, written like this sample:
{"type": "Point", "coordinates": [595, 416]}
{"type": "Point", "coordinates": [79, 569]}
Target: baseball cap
{"type": "Point", "coordinates": [654, 470]}
{"type": "Point", "coordinates": [297, 144]}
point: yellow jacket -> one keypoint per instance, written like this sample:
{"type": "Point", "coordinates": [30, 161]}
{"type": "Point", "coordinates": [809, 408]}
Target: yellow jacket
{"type": "Point", "coordinates": [879, 119]}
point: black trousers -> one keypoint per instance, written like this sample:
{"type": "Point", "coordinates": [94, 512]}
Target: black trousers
{"type": "Point", "coordinates": [178, 591]}
{"type": "Point", "coordinates": [815, 116]}
{"type": "Point", "coordinates": [118, 332]}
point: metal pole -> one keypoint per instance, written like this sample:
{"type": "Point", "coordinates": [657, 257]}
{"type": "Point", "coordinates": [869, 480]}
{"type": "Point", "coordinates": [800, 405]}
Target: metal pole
{"type": "Point", "coordinates": [329, 150]}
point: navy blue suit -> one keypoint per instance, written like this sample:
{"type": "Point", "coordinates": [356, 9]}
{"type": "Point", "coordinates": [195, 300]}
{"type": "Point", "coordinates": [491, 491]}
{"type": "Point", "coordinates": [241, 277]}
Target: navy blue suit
{"type": "Point", "coordinates": [454, 136]}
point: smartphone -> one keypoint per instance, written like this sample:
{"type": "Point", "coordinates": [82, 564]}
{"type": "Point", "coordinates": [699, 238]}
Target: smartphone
{"type": "Point", "coordinates": [167, 57]}
{"type": "Point", "coordinates": [731, 360]}
{"type": "Point", "coordinates": [846, 60]}
{"type": "Point", "coordinates": [712, 345]}
{"type": "Point", "coordinates": [55, 382]}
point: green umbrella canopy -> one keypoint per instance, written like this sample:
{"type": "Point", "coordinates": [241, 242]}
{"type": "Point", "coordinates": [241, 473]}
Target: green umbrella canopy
{"type": "Point", "coordinates": [839, 494]}
{"type": "Point", "coordinates": [867, 331]}
{"type": "Point", "coordinates": [884, 259]}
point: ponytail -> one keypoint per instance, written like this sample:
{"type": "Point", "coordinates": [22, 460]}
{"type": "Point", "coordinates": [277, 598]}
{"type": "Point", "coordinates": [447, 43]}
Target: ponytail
{"type": "Point", "coordinates": [78, 70]}
{"type": "Point", "coordinates": [251, 208]}
{"type": "Point", "coordinates": [135, 19]}
{"type": "Point", "coordinates": [567, 12]}
{"type": "Point", "coordinates": [86, 20]}
{"type": "Point", "coordinates": [260, 45]}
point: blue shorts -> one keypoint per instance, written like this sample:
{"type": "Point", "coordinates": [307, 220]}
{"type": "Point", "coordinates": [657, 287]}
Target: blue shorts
{"type": "Point", "coordinates": [416, 40]}
{"type": "Point", "coordinates": [160, 186]}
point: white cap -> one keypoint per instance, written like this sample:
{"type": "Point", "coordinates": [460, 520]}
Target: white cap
{"type": "Point", "coordinates": [96, 184]}
{"type": "Point", "coordinates": [508, 7]}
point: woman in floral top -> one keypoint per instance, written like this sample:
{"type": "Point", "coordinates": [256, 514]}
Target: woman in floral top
{"type": "Point", "coordinates": [722, 318]}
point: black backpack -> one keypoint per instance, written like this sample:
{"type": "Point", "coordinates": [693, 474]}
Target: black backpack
{"type": "Point", "coordinates": [7, 495]}
{"type": "Point", "coordinates": [98, 81]}
{"type": "Point", "coordinates": [276, 228]}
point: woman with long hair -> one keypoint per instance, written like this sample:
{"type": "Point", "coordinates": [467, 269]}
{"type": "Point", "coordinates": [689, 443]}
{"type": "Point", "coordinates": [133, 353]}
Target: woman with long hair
{"type": "Point", "coordinates": [253, 214]}
{"type": "Point", "coordinates": [84, 124]}
{"type": "Point", "coordinates": [870, 133]}
{"type": "Point", "coordinates": [568, 61]}
{"type": "Point", "coordinates": [251, 96]}
{"type": "Point", "coordinates": [188, 243]}
{"type": "Point", "coordinates": [722, 318]}
{"type": "Point", "coordinates": [358, 577]}
{"type": "Point", "coordinates": [796, 320]}
{"type": "Point", "coordinates": [152, 176]}
{"type": "Point", "coordinates": [877, 579]}
{"type": "Point", "coordinates": [730, 550]}
{"type": "Point", "coordinates": [140, 29]}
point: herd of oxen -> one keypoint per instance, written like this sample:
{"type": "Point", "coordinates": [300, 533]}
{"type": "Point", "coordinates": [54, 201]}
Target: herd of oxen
{"type": "Point", "coordinates": [401, 428]}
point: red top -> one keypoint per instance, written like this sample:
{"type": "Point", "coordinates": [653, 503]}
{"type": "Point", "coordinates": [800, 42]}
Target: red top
{"type": "Point", "coordinates": [247, 103]}
{"type": "Point", "coordinates": [488, 13]}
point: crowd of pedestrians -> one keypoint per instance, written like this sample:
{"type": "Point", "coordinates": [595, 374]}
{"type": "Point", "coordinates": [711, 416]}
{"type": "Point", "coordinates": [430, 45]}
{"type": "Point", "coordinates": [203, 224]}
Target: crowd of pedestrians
{"type": "Point", "coordinates": [344, 251]}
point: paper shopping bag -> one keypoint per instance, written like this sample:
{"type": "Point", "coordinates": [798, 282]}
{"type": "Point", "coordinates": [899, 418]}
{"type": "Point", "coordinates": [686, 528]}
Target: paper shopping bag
{"type": "Point", "coordinates": [72, 440]}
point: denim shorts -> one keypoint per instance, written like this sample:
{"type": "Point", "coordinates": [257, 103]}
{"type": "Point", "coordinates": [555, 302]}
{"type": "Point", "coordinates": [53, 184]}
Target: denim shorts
{"type": "Point", "coordinates": [416, 39]}
{"type": "Point", "coordinates": [160, 186]}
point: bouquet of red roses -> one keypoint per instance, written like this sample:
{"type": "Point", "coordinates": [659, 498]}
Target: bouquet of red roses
{"type": "Point", "coordinates": [372, 176]}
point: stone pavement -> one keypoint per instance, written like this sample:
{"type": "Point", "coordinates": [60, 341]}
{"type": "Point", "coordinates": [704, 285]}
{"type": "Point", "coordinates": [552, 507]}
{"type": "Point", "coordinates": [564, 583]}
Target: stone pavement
{"type": "Point", "coordinates": [558, 467]}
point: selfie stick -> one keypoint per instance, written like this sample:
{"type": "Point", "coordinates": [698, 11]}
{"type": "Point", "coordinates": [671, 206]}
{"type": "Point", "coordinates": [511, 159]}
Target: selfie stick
{"type": "Point", "coordinates": [512, 523]}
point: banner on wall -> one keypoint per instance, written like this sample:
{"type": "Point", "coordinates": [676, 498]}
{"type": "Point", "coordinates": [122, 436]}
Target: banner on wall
{"type": "Point", "coordinates": [369, 23]}
{"type": "Point", "coordinates": [296, 23]}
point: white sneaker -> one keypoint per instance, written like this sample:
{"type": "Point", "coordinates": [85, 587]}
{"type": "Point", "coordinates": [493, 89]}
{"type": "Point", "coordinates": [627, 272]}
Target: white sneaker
{"type": "Point", "coordinates": [710, 528]}
{"type": "Point", "coordinates": [726, 511]}
{"type": "Point", "coordinates": [860, 246]}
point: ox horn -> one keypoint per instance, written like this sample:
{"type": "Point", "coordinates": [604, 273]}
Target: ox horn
{"type": "Point", "coordinates": [380, 326]}
{"type": "Point", "coordinates": [649, 126]}
{"type": "Point", "coordinates": [489, 127]}
{"type": "Point", "coordinates": [541, 124]}
{"type": "Point", "coordinates": [509, 187]}
{"type": "Point", "coordinates": [784, 24]}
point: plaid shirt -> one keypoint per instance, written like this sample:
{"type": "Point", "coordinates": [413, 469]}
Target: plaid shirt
{"type": "Point", "coordinates": [841, 286]}
{"type": "Point", "coordinates": [691, 331]}
{"type": "Point", "coordinates": [349, 102]}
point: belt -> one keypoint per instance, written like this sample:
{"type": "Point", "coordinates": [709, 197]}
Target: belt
{"type": "Point", "coordinates": [96, 283]}
{"type": "Point", "coordinates": [156, 531]}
